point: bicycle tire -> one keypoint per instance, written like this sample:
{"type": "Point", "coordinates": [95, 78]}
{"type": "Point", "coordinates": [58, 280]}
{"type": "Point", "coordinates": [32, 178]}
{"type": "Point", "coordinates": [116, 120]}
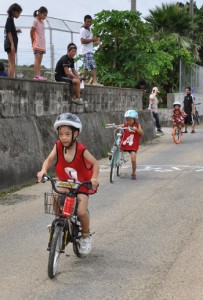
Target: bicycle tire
{"type": "Point", "coordinates": [55, 251]}
{"type": "Point", "coordinates": [197, 117]}
{"type": "Point", "coordinates": [114, 160]}
{"type": "Point", "coordinates": [177, 135]}
{"type": "Point", "coordinates": [75, 234]}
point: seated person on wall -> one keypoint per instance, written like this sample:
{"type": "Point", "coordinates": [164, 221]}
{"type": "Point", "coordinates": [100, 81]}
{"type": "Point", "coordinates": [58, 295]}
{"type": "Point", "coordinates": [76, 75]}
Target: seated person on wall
{"type": "Point", "coordinates": [2, 70]}
{"type": "Point", "coordinates": [65, 72]}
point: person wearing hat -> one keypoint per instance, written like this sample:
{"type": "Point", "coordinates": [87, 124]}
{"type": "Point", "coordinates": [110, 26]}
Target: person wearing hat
{"type": "Point", "coordinates": [153, 106]}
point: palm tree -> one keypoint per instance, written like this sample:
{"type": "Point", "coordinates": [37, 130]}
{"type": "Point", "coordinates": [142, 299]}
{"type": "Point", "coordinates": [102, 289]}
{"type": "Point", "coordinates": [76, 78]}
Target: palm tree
{"type": "Point", "coordinates": [173, 21]}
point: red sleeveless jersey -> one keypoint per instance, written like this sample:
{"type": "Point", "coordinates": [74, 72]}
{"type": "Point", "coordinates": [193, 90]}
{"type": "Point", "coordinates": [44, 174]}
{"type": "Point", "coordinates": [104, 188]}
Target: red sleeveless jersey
{"type": "Point", "coordinates": [78, 169]}
{"type": "Point", "coordinates": [130, 141]}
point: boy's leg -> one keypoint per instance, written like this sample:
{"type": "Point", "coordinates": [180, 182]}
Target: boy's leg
{"type": "Point", "coordinates": [86, 239]}
{"type": "Point", "coordinates": [76, 83]}
{"type": "Point", "coordinates": [133, 161]}
{"type": "Point", "coordinates": [94, 76]}
{"type": "Point", "coordinates": [83, 214]}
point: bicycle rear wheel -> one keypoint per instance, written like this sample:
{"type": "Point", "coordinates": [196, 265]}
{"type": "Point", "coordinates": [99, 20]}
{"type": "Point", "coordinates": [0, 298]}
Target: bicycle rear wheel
{"type": "Point", "coordinates": [197, 117]}
{"type": "Point", "coordinates": [114, 165]}
{"type": "Point", "coordinates": [177, 135]}
{"type": "Point", "coordinates": [55, 251]}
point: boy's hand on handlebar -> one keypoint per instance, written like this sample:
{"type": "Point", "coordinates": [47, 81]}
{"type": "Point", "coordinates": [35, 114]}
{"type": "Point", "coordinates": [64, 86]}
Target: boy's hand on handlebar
{"type": "Point", "coordinates": [40, 176]}
{"type": "Point", "coordinates": [95, 183]}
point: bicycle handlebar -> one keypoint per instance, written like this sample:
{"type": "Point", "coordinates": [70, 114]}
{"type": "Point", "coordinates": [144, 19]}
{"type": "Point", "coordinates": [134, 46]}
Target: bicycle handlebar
{"type": "Point", "coordinates": [66, 184]}
{"type": "Point", "coordinates": [107, 126]}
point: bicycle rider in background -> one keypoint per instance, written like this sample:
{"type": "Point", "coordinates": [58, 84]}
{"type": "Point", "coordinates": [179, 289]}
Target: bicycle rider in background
{"type": "Point", "coordinates": [178, 115]}
{"type": "Point", "coordinates": [73, 161]}
{"type": "Point", "coordinates": [131, 137]}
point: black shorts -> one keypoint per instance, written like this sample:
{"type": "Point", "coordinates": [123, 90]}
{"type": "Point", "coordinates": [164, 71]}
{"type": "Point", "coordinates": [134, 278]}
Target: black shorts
{"type": "Point", "coordinates": [63, 79]}
{"type": "Point", "coordinates": [189, 119]}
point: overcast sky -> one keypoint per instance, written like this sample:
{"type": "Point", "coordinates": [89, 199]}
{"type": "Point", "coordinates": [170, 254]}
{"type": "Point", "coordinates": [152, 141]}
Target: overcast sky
{"type": "Point", "coordinates": [69, 10]}
{"type": "Point", "coordinates": [76, 9]}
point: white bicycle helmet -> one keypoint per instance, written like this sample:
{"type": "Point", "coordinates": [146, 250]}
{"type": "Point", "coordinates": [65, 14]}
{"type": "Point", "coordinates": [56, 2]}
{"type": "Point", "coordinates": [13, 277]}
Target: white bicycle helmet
{"type": "Point", "coordinates": [177, 103]}
{"type": "Point", "coordinates": [131, 114]}
{"type": "Point", "coordinates": [68, 119]}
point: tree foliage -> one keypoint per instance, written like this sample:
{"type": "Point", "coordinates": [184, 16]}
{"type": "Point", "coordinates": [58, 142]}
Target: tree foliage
{"type": "Point", "coordinates": [130, 51]}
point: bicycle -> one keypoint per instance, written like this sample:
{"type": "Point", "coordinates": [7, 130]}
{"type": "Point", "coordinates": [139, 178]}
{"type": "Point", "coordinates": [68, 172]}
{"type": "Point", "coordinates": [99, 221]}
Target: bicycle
{"type": "Point", "coordinates": [177, 133]}
{"type": "Point", "coordinates": [65, 228]}
{"type": "Point", "coordinates": [196, 115]}
{"type": "Point", "coordinates": [117, 156]}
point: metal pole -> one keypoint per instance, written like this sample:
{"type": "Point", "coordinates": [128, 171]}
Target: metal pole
{"type": "Point", "coordinates": [180, 76]}
{"type": "Point", "coordinates": [191, 8]}
{"type": "Point", "coordinates": [133, 5]}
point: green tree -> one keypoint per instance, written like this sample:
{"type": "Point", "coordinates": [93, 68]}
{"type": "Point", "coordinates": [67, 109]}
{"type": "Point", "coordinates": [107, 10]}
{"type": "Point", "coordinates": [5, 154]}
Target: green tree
{"type": "Point", "coordinates": [129, 53]}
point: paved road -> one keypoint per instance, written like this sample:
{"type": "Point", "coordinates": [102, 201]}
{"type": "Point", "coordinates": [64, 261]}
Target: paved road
{"type": "Point", "coordinates": [149, 233]}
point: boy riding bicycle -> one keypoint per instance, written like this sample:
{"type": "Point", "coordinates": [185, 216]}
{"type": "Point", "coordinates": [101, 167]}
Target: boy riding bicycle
{"type": "Point", "coordinates": [131, 137]}
{"type": "Point", "coordinates": [178, 115]}
{"type": "Point", "coordinates": [73, 161]}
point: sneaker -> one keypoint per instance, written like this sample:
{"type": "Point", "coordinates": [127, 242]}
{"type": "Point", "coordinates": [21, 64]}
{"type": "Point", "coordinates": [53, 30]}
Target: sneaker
{"type": "Point", "coordinates": [193, 131]}
{"type": "Point", "coordinates": [159, 130]}
{"type": "Point", "coordinates": [41, 78]}
{"type": "Point", "coordinates": [79, 101]}
{"type": "Point", "coordinates": [85, 245]}
{"type": "Point", "coordinates": [184, 131]}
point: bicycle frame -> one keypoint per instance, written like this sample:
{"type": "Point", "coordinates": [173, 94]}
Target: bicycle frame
{"type": "Point", "coordinates": [117, 159]}
{"type": "Point", "coordinates": [63, 230]}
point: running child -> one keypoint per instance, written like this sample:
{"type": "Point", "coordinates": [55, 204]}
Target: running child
{"type": "Point", "coordinates": [178, 114]}
{"type": "Point", "coordinates": [131, 138]}
{"type": "Point", "coordinates": [11, 37]}
{"type": "Point", "coordinates": [37, 34]}
{"type": "Point", "coordinates": [73, 161]}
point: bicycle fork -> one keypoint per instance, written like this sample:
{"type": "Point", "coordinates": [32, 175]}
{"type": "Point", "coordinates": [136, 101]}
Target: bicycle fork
{"type": "Point", "coordinates": [65, 240]}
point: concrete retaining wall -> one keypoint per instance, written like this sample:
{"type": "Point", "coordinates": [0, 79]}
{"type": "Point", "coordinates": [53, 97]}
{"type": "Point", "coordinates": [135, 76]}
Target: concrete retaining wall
{"type": "Point", "coordinates": [28, 110]}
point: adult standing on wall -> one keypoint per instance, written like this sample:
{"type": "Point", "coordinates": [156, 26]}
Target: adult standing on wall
{"type": "Point", "coordinates": [11, 37]}
{"type": "Point", "coordinates": [87, 39]}
{"type": "Point", "coordinates": [189, 109]}
{"type": "Point", "coordinates": [153, 106]}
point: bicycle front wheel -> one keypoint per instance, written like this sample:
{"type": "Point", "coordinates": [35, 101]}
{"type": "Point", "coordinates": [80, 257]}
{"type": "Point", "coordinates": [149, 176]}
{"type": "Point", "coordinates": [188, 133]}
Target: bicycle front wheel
{"type": "Point", "coordinates": [114, 165]}
{"type": "Point", "coordinates": [55, 251]}
{"type": "Point", "coordinates": [76, 233]}
{"type": "Point", "coordinates": [177, 135]}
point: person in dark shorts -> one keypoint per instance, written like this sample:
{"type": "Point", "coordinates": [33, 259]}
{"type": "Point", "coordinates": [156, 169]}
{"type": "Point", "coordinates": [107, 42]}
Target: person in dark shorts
{"type": "Point", "coordinates": [189, 109]}
{"type": "Point", "coordinates": [63, 73]}
{"type": "Point", "coordinates": [11, 37]}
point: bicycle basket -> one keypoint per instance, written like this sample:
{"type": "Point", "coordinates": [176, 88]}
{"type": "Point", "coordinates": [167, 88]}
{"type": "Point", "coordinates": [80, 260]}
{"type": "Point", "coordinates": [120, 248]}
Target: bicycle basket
{"type": "Point", "coordinates": [52, 204]}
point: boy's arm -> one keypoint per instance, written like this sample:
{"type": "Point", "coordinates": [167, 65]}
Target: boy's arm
{"type": "Point", "coordinates": [139, 130]}
{"type": "Point", "coordinates": [95, 164]}
{"type": "Point", "coordinates": [47, 164]}
{"type": "Point", "coordinates": [69, 73]}
{"type": "Point", "coordinates": [75, 73]}
{"type": "Point", "coordinates": [120, 126]}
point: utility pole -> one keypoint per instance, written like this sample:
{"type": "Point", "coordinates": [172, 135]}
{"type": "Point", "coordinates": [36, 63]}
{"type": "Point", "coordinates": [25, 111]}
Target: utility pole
{"type": "Point", "coordinates": [191, 8]}
{"type": "Point", "coordinates": [133, 5]}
